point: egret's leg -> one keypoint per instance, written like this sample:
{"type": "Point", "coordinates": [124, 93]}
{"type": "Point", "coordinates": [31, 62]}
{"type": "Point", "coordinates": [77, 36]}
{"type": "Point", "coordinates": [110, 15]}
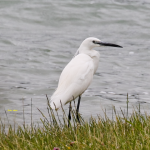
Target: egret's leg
{"type": "Point", "coordinates": [69, 115]}
{"type": "Point", "coordinates": [77, 111]}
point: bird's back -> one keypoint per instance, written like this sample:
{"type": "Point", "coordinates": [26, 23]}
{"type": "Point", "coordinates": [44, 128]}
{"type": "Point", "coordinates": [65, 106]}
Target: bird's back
{"type": "Point", "coordinates": [74, 80]}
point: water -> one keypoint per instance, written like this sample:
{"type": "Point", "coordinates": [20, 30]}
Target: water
{"type": "Point", "coordinates": [38, 39]}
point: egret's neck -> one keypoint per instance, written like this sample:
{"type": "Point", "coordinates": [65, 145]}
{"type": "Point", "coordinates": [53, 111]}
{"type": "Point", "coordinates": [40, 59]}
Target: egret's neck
{"type": "Point", "coordinates": [84, 49]}
{"type": "Point", "coordinates": [92, 53]}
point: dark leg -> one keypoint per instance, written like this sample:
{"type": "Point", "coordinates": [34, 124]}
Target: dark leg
{"type": "Point", "coordinates": [77, 111]}
{"type": "Point", "coordinates": [69, 115]}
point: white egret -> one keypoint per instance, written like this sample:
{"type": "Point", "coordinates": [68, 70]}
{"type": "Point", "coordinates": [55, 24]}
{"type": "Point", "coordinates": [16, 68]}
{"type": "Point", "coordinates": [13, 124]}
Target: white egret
{"type": "Point", "coordinates": [78, 74]}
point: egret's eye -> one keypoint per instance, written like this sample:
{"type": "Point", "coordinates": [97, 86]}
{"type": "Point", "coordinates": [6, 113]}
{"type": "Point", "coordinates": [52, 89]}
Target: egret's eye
{"type": "Point", "coordinates": [94, 42]}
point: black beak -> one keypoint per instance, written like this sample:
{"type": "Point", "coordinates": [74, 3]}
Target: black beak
{"type": "Point", "coordinates": [108, 44]}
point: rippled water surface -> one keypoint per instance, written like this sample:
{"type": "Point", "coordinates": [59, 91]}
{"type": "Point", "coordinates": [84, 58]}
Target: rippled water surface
{"type": "Point", "coordinates": [38, 39]}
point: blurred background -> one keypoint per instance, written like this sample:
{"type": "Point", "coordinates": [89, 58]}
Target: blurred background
{"type": "Point", "coordinates": [38, 39]}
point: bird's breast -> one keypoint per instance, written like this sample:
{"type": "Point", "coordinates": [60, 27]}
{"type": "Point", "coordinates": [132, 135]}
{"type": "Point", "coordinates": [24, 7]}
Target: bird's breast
{"type": "Point", "coordinates": [95, 56]}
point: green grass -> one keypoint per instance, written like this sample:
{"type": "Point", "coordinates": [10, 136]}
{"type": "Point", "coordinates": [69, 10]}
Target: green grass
{"type": "Point", "coordinates": [127, 133]}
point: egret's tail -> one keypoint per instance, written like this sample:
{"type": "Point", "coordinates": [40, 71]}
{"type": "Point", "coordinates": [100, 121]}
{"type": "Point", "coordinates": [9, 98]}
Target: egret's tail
{"type": "Point", "coordinates": [59, 100]}
{"type": "Point", "coordinates": [56, 102]}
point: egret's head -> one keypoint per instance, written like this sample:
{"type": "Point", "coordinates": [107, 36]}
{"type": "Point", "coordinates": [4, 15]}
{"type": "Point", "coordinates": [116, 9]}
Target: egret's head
{"type": "Point", "coordinates": [92, 42]}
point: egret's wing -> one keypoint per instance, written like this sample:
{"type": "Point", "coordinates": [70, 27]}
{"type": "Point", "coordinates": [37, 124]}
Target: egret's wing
{"type": "Point", "coordinates": [75, 72]}
{"type": "Point", "coordinates": [74, 79]}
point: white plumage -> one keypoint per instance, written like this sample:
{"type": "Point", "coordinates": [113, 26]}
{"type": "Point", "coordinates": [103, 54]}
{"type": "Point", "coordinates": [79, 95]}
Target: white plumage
{"type": "Point", "coordinates": [78, 74]}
